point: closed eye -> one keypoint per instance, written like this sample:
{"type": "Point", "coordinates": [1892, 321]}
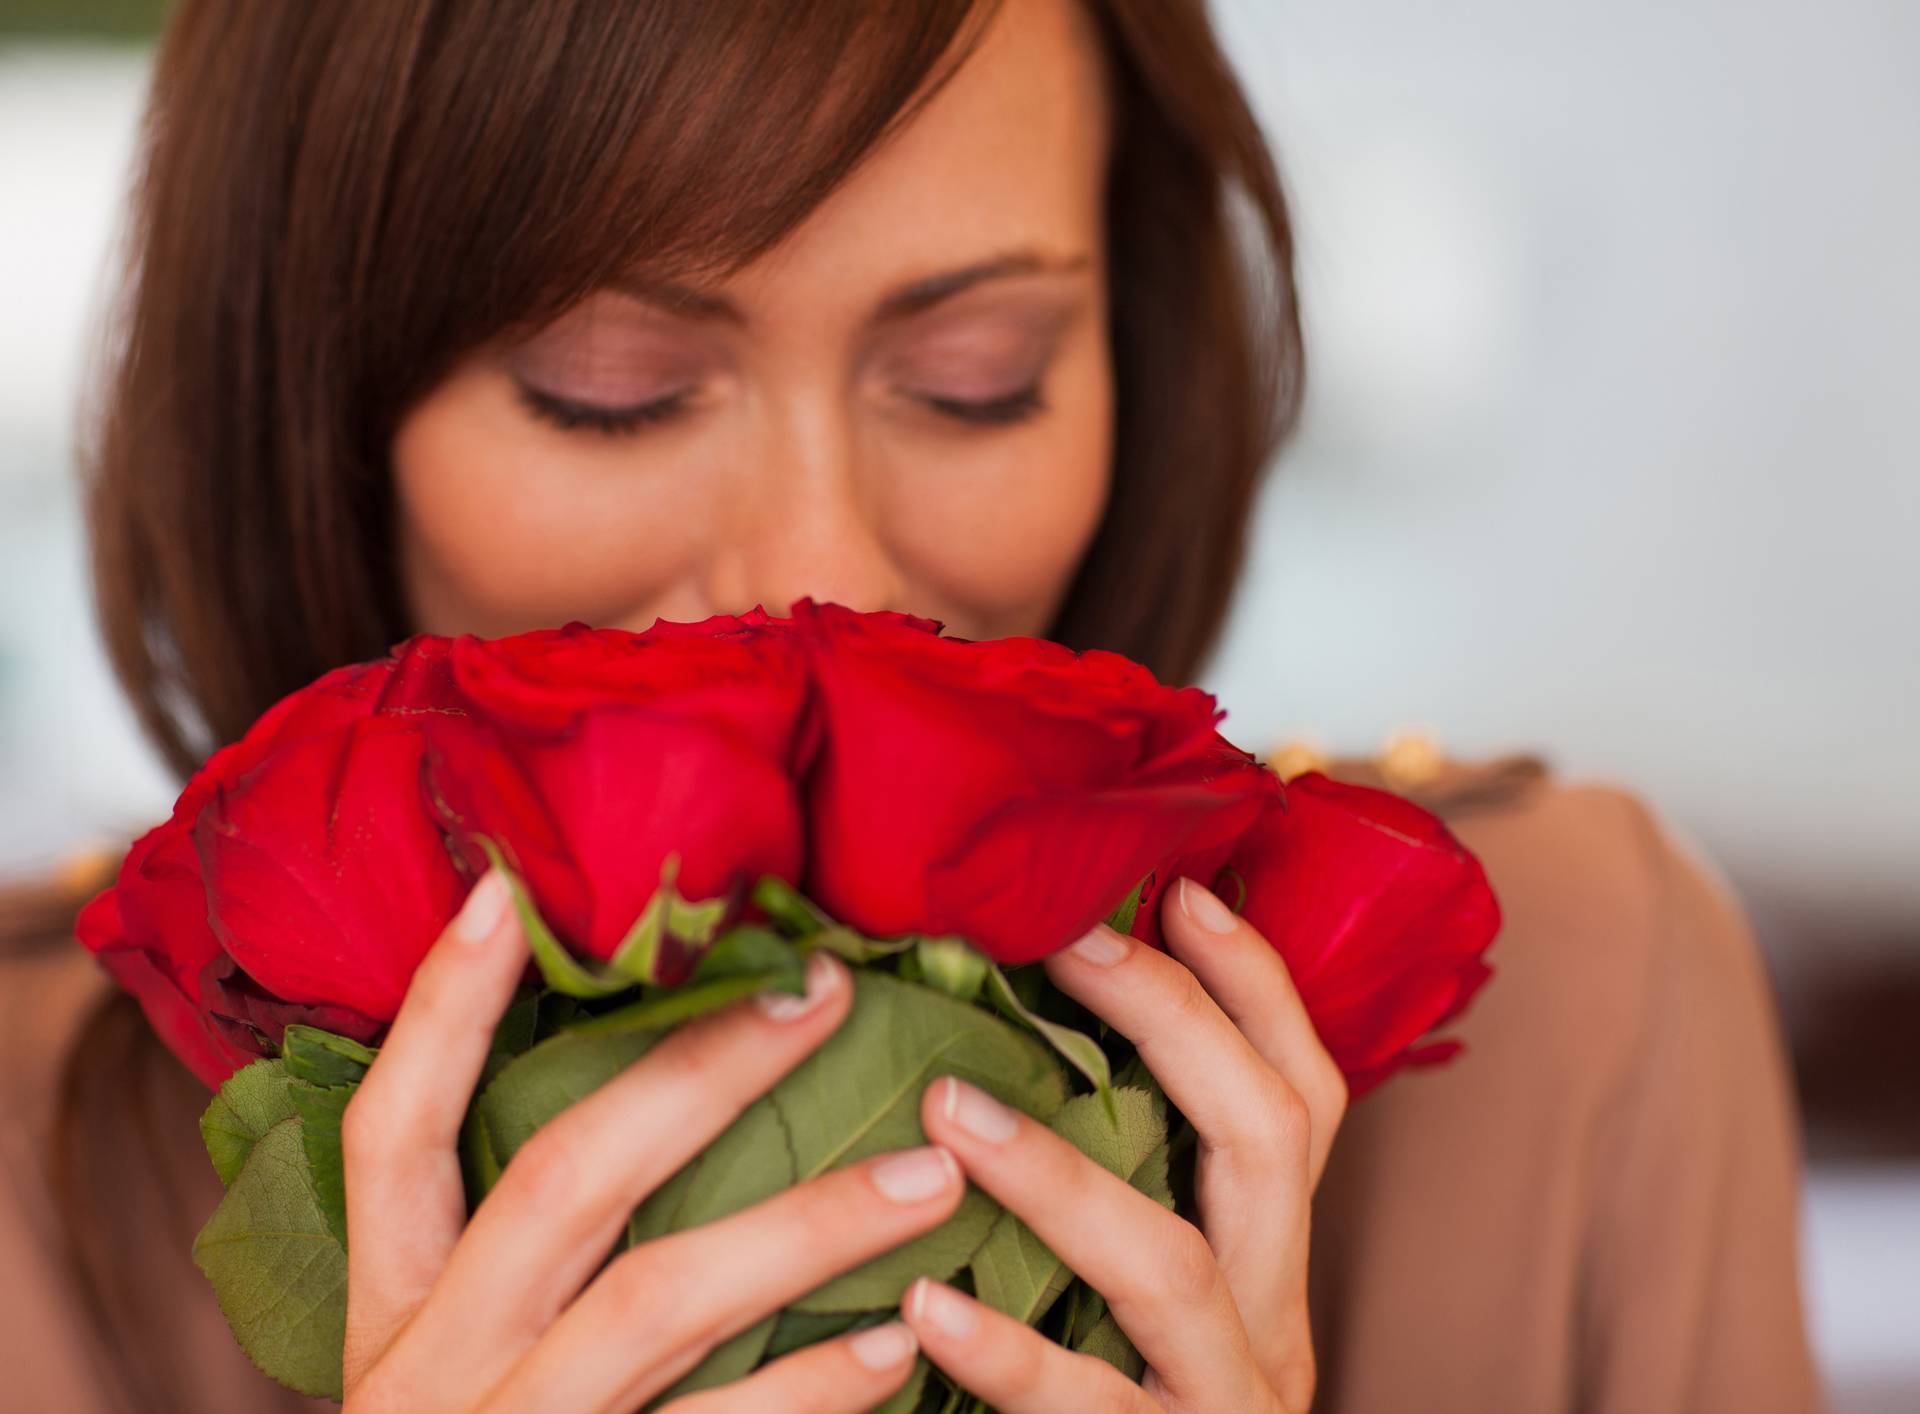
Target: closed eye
{"type": "Point", "coordinates": [572, 416]}
{"type": "Point", "coordinates": [613, 422]}
{"type": "Point", "coordinates": [1014, 407]}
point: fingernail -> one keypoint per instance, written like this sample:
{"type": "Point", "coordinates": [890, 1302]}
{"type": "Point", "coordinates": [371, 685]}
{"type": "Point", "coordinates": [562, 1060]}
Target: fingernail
{"type": "Point", "coordinates": [943, 1308]}
{"type": "Point", "coordinates": [485, 905]}
{"type": "Point", "coordinates": [977, 1112]}
{"type": "Point", "coordinates": [884, 1347]}
{"type": "Point", "coordinates": [1204, 908]}
{"type": "Point", "coordinates": [823, 975]}
{"type": "Point", "coordinates": [915, 1175]}
{"type": "Point", "coordinates": [1102, 946]}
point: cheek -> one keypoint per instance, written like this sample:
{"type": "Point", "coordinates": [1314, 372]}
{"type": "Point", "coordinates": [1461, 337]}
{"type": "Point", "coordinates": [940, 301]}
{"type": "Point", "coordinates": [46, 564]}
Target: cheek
{"type": "Point", "coordinates": [500, 531]}
{"type": "Point", "coordinates": [993, 532]}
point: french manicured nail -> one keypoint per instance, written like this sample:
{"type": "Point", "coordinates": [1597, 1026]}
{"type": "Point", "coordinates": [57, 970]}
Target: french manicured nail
{"type": "Point", "coordinates": [823, 976]}
{"type": "Point", "coordinates": [1102, 946]}
{"type": "Point", "coordinates": [915, 1175]}
{"type": "Point", "coordinates": [884, 1347]}
{"type": "Point", "coordinates": [977, 1112]}
{"type": "Point", "coordinates": [1201, 905]}
{"type": "Point", "coordinates": [943, 1308]}
{"type": "Point", "coordinates": [485, 906]}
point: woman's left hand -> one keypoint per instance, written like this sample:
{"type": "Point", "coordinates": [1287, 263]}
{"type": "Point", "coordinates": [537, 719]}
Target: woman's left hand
{"type": "Point", "coordinates": [1219, 1311]}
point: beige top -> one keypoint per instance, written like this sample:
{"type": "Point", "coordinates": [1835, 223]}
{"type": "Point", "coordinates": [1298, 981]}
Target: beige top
{"type": "Point", "coordinates": [1592, 1210]}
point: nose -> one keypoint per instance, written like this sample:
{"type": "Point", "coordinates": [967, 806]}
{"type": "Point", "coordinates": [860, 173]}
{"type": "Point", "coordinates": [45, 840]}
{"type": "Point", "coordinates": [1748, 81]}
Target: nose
{"type": "Point", "coordinates": [810, 521]}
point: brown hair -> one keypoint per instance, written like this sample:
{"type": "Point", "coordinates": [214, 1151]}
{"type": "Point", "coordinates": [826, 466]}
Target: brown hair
{"type": "Point", "coordinates": [336, 202]}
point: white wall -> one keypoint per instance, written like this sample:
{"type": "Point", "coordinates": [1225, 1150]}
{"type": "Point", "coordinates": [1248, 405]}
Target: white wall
{"type": "Point", "coordinates": [1611, 448]}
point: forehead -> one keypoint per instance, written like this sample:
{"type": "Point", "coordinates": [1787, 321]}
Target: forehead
{"type": "Point", "coordinates": [1010, 153]}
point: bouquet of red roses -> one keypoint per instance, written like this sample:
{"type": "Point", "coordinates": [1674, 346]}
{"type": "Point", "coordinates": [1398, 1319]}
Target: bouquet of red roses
{"type": "Point", "coordinates": [685, 815]}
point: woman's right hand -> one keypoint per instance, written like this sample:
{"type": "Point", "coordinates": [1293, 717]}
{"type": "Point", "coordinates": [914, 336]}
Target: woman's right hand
{"type": "Point", "coordinates": [505, 1312]}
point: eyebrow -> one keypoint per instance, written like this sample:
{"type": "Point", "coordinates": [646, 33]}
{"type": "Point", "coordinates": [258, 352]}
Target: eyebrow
{"type": "Point", "coordinates": [910, 299]}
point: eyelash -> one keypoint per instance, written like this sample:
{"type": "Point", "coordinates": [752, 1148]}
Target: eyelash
{"type": "Point", "coordinates": [614, 422]}
{"type": "Point", "coordinates": [610, 422]}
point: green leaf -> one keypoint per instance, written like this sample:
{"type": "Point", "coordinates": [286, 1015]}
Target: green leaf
{"type": "Point", "coordinates": [746, 960]}
{"type": "Point", "coordinates": [788, 907]}
{"type": "Point", "coordinates": [728, 1361]}
{"type": "Point", "coordinates": [1133, 1071]}
{"type": "Point", "coordinates": [1106, 1341]}
{"type": "Point", "coordinates": [252, 1101]}
{"type": "Point", "coordinates": [1151, 1178]}
{"type": "Point", "coordinates": [798, 1328]}
{"type": "Point", "coordinates": [637, 956]}
{"type": "Point", "coordinates": [519, 1028]}
{"type": "Point", "coordinates": [667, 1008]}
{"type": "Point", "coordinates": [859, 1095]}
{"type": "Point", "coordinates": [322, 1058]}
{"type": "Point", "coordinates": [951, 965]}
{"type": "Point", "coordinates": [479, 1169]}
{"type": "Point", "coordinates": [855, 948]}
{"type": "Point", "coordinates": [1083, 1307]}
{"type": "Point", "coordinates": [535, 1087]}
{"type": "Point", "coordinates": [1014, 1271]}
{"type": "Point", "coordinates": [905, 1399]}
{"type": "Point", "coordinates": [1080, 1050]}
{"type": "Point", "coordinates": [1128, 909]}
{"type": "Point", "coordinates": [277, 1272]}
{"type": "Point", "coordinates": [636, 960]}
{"type": "Point", "coordinates": [561, 970]}
{"type": "Point", "coordinates": [656, 1214]}
{"type": "Point", "coordinates": [320, 1108]}
{"type": "Point", "coordinates": [751, 1160]}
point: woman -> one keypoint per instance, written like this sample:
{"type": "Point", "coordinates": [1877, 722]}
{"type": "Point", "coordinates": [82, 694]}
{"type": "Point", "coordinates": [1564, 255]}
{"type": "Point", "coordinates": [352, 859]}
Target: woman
{"type": "Point", "coordinates": [474, 317]}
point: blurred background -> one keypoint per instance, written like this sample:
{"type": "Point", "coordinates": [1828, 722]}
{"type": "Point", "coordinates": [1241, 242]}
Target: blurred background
{"type": "Point", "coordinates": [1610, 454]}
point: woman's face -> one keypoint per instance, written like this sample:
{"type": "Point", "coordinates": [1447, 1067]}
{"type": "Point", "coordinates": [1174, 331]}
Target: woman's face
{"type": "Point", "coordinates": [906, 405]}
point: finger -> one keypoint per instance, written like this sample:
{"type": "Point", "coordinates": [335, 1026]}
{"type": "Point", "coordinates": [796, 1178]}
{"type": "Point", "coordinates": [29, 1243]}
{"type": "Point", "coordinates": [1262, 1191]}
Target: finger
{"type": "Point", "coordinates": [405, 1202]}
{"type": "Point", "coordinates": [1249, 981]}
{"type": "Point", "coordinates": [841, 1376]}
{"type": "Point", "coordinates": [565, 1196]}
{"type": "Point", "coordinates": [1155, 1269]}
{"type": "Point", "coordinates": [658, 1308]}
{"type": "Point", "coordinates": [1245, 1111]}
{"type": "Point", "coordinates": [1255, 1172]}
{"type": "Point", "coordinates": [1012, 1366]}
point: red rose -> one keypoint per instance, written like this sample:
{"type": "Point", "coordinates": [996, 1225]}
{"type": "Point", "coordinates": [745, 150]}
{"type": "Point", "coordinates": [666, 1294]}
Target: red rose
{"type": "Point", "coordinates": [1011, 792]}
{"type": "Point", "coordinates": [590, 755]}
{"type": "Point", "coordinates": [327, 877]}
{"type": "Point", "coordinates": [151, 929]}
{"type": "Point", "coordinates": [740, 673]}
{"type": "Point", "coordinates": [1381, 914]}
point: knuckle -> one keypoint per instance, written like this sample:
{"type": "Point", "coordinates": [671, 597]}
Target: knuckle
{"type": "Point", "coordinates": [1289, 1120]}
{"type": "Point", "coordinates": [1334, 1096]}
{"type": "Point", "coordinates": [365, 1125]}
{"type": "Point", "coordinates": [698, 1060]}
{"type": "Point", "coordinates": [1024, 1372]}
{"type": "Point", "coordinates": [1277, 1125]}
{"type": "Point", "coordinates": [1122, 1396]}
{"type": "Point", "coordinates": [546, 1173]}
{"type": "Point", "coordinates": [1188, 1271]}
{"type": "Point", "coordinates": [1187, 1000]}
{"type": "Point", "coordinates": [630, 1290]}
{"type": "Point", "coordinates": [1296, 1381]}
